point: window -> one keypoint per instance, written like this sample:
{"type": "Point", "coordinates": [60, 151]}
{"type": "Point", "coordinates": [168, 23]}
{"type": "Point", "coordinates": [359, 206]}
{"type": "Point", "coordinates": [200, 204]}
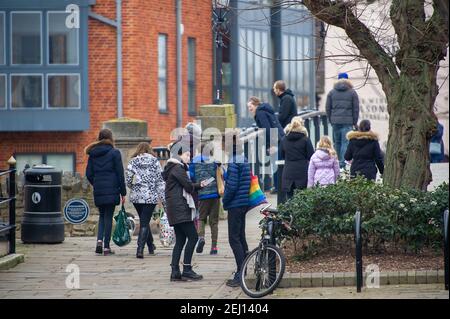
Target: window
{"type": "Point", "coordinates": [43, 67]}
{"type": "Point", "coordinates": [254, 67]}
{"type": "Point", "coordinates": [2, 91]}
{"type": "Point", "coordinates": [63, 90]}
{"type": "Point", "coordinates": [298, 73]}
{"type": "Point", "coordinates": [26, 43]}
{"type": "Point", "coordinates": [26, 91]}
{"type": "Point", "coordinates": [62, 161]}
{"type": "Point", "coordinates": [62, 41]}
{"type": "Point", "coordinates": [162, 73]}
{"type": "Point", "coordinates": [191, 77]}
{"type": "Point", "coordinates": [2, 38]}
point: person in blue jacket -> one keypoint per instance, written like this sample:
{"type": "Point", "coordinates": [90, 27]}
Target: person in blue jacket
{"type": "Point", "coordinates": [105, 173]}
{"type": "Point", "coordinates": [236, 200]}
{"type": "Point", "coordinates": [437, 157]}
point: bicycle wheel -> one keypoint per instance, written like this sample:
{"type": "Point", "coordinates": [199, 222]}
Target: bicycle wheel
{"type": "Point", "coordinates": [262, 271]}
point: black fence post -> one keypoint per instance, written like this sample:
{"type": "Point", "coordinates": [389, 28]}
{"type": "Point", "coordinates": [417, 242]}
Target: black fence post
{"type": "Point", "coordinates": [359, 272]}
{"type": "Point", "coordinates": [446, 244]}
{"type": "Point", "coordinates": [325, 124]}
{"type": "Point", "coordinates": [12, 205]}
{"type": "Point", "coordinates": [316, 122]}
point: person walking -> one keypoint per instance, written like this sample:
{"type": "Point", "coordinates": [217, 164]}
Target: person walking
{"type": "Point", "coordinates": [437, 145]}
{"type": "Point", "coordinates": [323, 166]}
{"type": "Point", "coordinates": [288, 107]}
{"type": "Point", "coordinates": [181, 210]}
{"type": "Point", "coordinates": [266, 119]}
{"type": "Point", "coordinates": [364, 152]}
{"type": "Point", "coordinates": [104, 172]}
{"type": "Point", "coordinates": [202, 168]}
{"type": "Point", "coordinates": [144, 179]}
{"type": "Point", "coordinates": [236, 201]}
{"type": "Point", "coordinates": [297, 149]}
{"type": "Point", "coordinates": [342, 108]}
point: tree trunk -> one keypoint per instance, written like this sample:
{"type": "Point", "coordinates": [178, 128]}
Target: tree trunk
{"type": "Point", "coordinates": [410, 128]}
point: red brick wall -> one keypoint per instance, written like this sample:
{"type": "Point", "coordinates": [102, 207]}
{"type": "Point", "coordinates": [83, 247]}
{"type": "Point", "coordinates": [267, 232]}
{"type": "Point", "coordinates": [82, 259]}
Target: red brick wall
{"type": "Point", "coordinates": [142, 22]}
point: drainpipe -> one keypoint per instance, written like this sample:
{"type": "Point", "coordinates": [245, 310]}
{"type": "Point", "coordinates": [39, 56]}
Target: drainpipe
{"type": "Point", "coordinates": [119, 58]}
{"type": "Point", "coordinates": [118, 25]}
{"type": "Point", "coordinates": [179, 65]}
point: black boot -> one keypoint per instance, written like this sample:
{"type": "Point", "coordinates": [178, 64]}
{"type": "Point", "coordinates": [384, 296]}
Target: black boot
{"type": "Point", "coordinates": [142, 239]}
{"type": "Point", "coordinates": [176, 274]}
{"type": "Point", "coordinates": [188, 273]}
{"type": "Point", "coordinates": [150, 245]}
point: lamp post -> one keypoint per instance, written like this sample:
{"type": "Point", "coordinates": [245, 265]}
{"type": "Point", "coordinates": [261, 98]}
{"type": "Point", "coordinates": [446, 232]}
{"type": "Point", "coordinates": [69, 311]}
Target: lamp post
{"type": "Point", "coordinates": [220, 28]}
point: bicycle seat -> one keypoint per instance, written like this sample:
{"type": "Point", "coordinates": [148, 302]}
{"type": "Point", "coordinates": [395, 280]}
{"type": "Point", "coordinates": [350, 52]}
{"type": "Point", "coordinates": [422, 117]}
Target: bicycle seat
{"type": "Point", "coordinates": [272, 210]}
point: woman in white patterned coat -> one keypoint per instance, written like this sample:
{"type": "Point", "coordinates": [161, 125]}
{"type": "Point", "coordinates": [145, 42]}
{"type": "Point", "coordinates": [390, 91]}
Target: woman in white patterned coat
{"type": "Point", "coordinates": [143, 177]}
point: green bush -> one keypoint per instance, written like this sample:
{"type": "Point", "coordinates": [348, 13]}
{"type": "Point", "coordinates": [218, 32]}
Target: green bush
{"type": "Point", "coordinates": [404, 218]}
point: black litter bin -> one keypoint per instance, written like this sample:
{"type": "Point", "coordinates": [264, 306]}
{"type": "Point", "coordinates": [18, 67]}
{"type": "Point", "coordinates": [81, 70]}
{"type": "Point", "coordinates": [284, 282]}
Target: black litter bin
{"type": "Point", "coordinates": [42, 219]}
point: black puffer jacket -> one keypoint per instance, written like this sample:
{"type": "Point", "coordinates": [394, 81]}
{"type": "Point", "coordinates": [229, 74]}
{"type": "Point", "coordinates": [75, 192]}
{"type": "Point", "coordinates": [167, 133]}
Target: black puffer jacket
{"type": "Point", "coordinates": [288, 108]}
{"type": "Point", "coordinates": [105, 173]}
{"type": "Point", "coordinates": [365, 153]}
{"type": "Point", "coordinates": [176, 177]}
{"type": "Point", "coordinates": [342, 104]}
{"type": "Point", "coordinates": [297, 150]}
{"type": "Point", "coordinates": [265, 118]}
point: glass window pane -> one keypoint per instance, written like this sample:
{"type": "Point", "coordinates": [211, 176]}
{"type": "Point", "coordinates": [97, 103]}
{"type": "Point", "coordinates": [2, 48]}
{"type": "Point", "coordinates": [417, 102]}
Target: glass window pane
{"type": "Point", "coordinates": [64, 91]}
{"type": "Point", "coordinates": [26, 91]}
{"type": "Point", "coordinates": [265, 62]}
{"type": "Point", "coordinates": [300, 78]}
{"type": "Point", "coordinates": [162, 94]}
{"type": "Point", "coordinates": [191, 59]}
{"type": "Point", "coordinates": [250, 59]}
{"type": "Point", "coordinates": [162, 72]}
{"type": "Point", "coordinates": [306, 64]}
{"type": "Point", "coordinates": [2, 91]}
{"type": "Point", "coordinates": [243, 60]}
{"type": "Point", "coordinates": [243, 101]}
{"type": "Point", "coordinates": [292, 57]}
{"type": "Point", "coordinates": [24, 159]}
{"type": "Point", "coordinates": [258, 62]}
{"type": "Point", "coordinates": [285, 57]}
{"type": "Point", "coordinates": [63, 162]}
{"type": "Point", "coordinates": [63, 41]}
{"type": "Point", "coordinates": [2, 38]}
{"type": "Point", "coordinates": [26, 38]}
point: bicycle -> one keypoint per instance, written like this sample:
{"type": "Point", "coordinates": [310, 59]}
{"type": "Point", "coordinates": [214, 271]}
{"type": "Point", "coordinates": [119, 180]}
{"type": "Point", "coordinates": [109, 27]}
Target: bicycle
{"type": "Point", "coordinates": [263, 268]}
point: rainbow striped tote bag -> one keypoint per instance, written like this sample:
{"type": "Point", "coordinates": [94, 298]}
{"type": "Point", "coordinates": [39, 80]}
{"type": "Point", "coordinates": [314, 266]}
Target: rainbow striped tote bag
{"type": "Point", "coordinates": [256, 195]}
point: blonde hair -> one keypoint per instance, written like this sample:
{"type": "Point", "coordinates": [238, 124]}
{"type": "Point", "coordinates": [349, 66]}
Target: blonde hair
{"type": "Point", "coordinates": [325, 142]}
{"type": "Point", "coordinates": [297, 125]}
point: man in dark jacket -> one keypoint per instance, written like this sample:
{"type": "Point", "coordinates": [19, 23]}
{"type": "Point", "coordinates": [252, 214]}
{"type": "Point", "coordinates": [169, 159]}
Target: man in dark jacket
{"type": "Point", "coordinates": [266, 119]}
{"type": "Point", "coordinates": [288, 107]}
{"type": "Point", "coordinates": [342, 109]}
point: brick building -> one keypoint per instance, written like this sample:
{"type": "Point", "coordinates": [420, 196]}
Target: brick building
{"type": "Point", "coordinates": [58, 82]}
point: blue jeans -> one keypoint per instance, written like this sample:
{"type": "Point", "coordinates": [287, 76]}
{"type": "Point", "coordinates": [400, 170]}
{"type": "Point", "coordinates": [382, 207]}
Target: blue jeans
{"type": "Point", "coordinates": [340, 141]}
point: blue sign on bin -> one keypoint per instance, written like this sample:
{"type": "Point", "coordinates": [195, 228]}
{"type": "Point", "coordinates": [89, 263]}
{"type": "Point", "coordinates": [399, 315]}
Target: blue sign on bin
{"type": "Point", "coordinates": [76, 211]}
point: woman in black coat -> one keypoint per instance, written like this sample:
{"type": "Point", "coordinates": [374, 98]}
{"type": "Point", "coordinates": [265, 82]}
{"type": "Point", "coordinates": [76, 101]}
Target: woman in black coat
{"type": "Point", "coordinates": [364, 152]}
{"type": "Point", "coordinates": [297, 150]}
{"type": "Point", "coordinates": [105, 173]}
{"type": "Point", "coordinates": [181, 210]}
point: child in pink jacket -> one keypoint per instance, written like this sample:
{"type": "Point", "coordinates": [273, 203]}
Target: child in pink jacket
{"type": "Point", "coordinates": [323, 166]}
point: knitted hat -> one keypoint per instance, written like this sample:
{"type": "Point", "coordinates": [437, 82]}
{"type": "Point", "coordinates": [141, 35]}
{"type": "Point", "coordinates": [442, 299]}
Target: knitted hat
{"type": "Point", "coordinates": [342, 76]}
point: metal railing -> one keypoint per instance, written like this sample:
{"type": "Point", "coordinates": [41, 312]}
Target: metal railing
{"type": "Point", "coordinates": [358, 252]}
{"type": "Point", "coordinates": [446, 244]}
{"type": "Point", "coordinates": [10, 228]}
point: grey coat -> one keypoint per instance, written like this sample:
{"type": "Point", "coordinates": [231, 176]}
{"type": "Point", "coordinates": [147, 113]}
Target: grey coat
{"type": "Point", "coordinates": [342, 105]}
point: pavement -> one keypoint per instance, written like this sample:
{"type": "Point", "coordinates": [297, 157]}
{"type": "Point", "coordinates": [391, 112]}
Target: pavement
{"type": "Point", "coordinates": [50, 271]}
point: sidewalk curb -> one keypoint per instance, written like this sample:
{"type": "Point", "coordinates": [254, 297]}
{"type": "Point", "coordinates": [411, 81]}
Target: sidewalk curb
{"type": "Point", "coordinates": [10, 261]}
{"type": "Point", "coordinates": [341, 279]}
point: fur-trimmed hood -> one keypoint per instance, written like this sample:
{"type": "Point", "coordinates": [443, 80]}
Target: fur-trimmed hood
{"type": "Point", "coordinates": [343, 85]}
{"type": "Point", "coordinates": [91, 146]}
{"type": "Point", "coordinates": [362, 135]}
{"type": "Point", "coordinates": [299, 129]}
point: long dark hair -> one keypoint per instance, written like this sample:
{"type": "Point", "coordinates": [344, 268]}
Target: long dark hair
{"type": "Point", "coordinates": [364, 126]}
{"type": "Point", "coordinates": [105, 134]}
